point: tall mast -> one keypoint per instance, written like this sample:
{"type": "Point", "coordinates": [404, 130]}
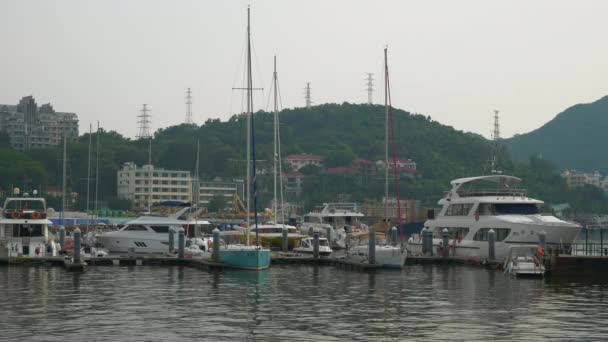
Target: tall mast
{"type": "Point", "coordinates": [196, 188]}
{"type": "Point", "coordinates": [89, 174]}
{"type": "Point", "coordinates": [248, 180]}
{"type": "Point", "coordinates": [96, 167]}
{"type": "Point", "coordinates": [150, 174]}
{"type": "Point", "coordinates": [275, 128]}
{"type": "Point", "coordinates": [495, 138]}
{"type": "Point", "coordinates": [385, 136]}
{"type": "Point", "coordinates": [63, 178]}
{"type": "Point", "coordinates": [252, 132]}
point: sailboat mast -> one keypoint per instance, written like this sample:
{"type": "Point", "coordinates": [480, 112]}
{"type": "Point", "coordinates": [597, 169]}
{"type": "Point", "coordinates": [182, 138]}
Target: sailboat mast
{"type": "Point", "coordinates": [248, 180]}
{"type": "Point", "coordinates": [385, 136]}
{"type": "Point", "coordinates": [276, 156]}
{"type": "Point", "coordinates": [63, 178]}
{"type": "Point", "coordinates": [196, 188]}
{"type": "Point", "coordinates": [249, 92]}
{"type": "Point", "coordinates": [96, 167]}
{"type": "Point", "coordinates": [89, 174]}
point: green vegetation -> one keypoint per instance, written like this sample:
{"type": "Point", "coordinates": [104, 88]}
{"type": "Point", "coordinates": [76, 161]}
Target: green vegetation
{"type": "Point", "coordinates": [340, 133]}
{"type": "Point", "coordinates": [574, 139]}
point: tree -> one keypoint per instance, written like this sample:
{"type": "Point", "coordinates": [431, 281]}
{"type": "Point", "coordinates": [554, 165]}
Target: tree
{"type": "Point", "coordinates": [217, 203]}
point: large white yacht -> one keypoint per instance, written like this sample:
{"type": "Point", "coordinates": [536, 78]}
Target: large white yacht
{"type": "Point", "coordinates": [24, 228]}
{"type": "Point", "coordinates": [146, 234]}
{"type": "Point", "coordinates": [342, 218]}
{"type": "Point", "coordinates": [477, 204]}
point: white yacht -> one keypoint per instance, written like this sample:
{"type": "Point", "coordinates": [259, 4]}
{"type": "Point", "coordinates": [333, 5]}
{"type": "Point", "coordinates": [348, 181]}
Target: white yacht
{"type": "Point", "coordinates": [24, 228]}
{"type": "Point", "coordinates": [386, 255]}
{"type": "Point", "coordinates": [307, 247]}
{"type": "Point", "coordinates": [146, 234]}
{"type": "Point", "coordinates": [523, 261]}
{"type": "Point", "coordinates": [476, 205]}
{"type": "Point", "coordinates": [342, 218]}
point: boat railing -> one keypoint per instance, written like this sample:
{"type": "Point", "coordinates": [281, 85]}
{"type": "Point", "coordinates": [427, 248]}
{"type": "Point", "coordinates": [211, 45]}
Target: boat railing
{"type": "Point", "coordinates": [493, 192]}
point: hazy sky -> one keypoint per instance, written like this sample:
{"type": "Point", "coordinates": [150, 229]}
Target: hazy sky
{"type": "Point", "coordinates": [453, 60]}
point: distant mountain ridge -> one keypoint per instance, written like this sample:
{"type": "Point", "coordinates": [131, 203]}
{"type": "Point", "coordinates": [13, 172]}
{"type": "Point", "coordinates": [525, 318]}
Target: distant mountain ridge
{"type": "Point", "coordinates": [574, 139]}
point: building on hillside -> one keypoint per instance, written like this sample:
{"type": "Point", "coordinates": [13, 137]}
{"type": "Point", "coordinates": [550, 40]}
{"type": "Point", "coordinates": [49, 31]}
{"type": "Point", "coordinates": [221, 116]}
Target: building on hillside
{"type": "Point", "coordinates": [207, 190]}
{"type": "Point", "coordinates": [30, 126]}
{"type": "Point", "coordinates": [137, 184]}
{"type": "Point", "coordinates": [403, 165]}
{"type": "Point", "coordinates": [576, 179]}
{"type": "Point", "coordinates": [342, 170]}
{"type": "Point", "coordinates": [293, 184]}
{"type": "Point", "coordinates": [298, 161]}
{"type": "Point", "coordinates": [364, 166]}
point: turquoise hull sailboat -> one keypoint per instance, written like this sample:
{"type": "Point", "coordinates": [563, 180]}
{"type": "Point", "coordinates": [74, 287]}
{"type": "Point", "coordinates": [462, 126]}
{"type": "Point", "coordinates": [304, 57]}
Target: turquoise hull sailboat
{"type": "Point", "coordinates": [246, 256]}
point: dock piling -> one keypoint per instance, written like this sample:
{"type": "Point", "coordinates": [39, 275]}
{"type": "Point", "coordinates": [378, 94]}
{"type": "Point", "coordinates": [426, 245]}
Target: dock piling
{"type": "Point", "coordinates": [310, 231]}
{"type": "Point", "coordinates": [446, 239]}
{"type": "Point", "coordinates": [424, 244]}
{"type": "Point", "coordinates": [216, 245]}
{"type": "Point", "coordinates": [62, 237]}
{"type": "Point", "coordinates": [491, 245]}
{"type": "Point", "coordinates": [171, 240]}
{"type": "Point", "coordinates": [372, 248]}
{"type": "Point", "coordinates": [328, 234]}
{"type": "Point", "coordinates": [181, 241]}
{"type": "Point", "coordinates": [315, 245]}
{"type": "Point", "coordinates": [77, 244]}
{"type": "Point", "coordinates": [285, 240]}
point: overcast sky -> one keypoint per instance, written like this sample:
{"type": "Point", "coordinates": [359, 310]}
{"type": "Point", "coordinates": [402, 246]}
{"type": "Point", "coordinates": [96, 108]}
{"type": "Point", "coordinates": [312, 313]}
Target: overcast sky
{"type": "Point", "coordinates": [453, 60]}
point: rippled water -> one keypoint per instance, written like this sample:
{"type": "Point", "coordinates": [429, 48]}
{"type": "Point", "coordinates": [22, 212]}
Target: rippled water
{"type": "Point", "coordinates": [295, 303]}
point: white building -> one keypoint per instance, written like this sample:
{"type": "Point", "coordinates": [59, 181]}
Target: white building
{"type": "Point", "coordinates": [137, 184]}
{"type": "Point", "coordinates": [207, 190]}
{"type": "Point", "coordinates": [298, 161]}
{"type": "Point", "coordinates": [578, 179]}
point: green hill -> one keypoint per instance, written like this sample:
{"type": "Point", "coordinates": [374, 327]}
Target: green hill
{"type": "Point", "coordinates": [340, 133]}
{"type": "Point", "coordinates": [574, 139]}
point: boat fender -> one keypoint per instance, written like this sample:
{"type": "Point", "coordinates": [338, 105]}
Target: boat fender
{"type": "Point", "coordinates": [36, 215]}
{"type": "Point", "coordinates": [16, 214]}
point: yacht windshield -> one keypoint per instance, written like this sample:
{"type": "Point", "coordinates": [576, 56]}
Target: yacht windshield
{"type": "Point", "coordinates": [516, 209]}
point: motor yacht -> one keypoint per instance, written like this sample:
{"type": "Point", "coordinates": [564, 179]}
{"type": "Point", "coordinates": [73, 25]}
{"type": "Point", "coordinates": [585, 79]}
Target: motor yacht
{"type": "Point", "coordinates": [341, 218]}
{"type": "Point", "coordinates": [386, 254]}
{"type": "Point", "coordinates": [24, 228]}
{"type": "Point", "coordinates": [476, 205]}
{"type": "Point", "coordinates": [523, 261]}
{"type": "Point", "coordinates": [307, 247]}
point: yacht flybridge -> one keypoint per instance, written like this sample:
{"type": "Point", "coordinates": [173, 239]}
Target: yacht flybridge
{"type": "Point", "coordinates": [476, 205]}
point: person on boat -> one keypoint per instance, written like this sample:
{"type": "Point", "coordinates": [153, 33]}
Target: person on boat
{"type": "Point", "coordinates": [539, 252]}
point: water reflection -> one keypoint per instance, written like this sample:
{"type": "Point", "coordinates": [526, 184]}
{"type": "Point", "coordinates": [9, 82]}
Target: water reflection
{"type": "Point", "coordinates": [296, 302]}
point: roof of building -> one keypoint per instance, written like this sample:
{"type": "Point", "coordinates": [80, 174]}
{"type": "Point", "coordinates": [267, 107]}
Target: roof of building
{"type": "Point", "coordinates": [304, 157]}
{"type": "Point", "coordinates": [342, 170]}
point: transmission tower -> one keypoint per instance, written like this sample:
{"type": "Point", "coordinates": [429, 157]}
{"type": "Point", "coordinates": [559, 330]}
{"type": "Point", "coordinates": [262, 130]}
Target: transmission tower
{"type": "Point", "coordinates": [370, 87]}
{"type": "Point", "coordinates": [188, 107]}
{"type": "Point", "coordinates": [307, 95]}
{"type": "Point", "coordinates": [144, 122]}
{"type": "Point", "coordinates": [495, 138]}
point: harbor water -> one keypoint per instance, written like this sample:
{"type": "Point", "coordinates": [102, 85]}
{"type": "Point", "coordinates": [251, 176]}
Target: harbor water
{"type": "Point", "coordinates": [299, 303]}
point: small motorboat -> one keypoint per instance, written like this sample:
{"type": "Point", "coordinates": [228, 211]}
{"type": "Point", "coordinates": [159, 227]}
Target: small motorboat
{"type": "Point", "coordinates": [523, 261]}
{"type": "Point", "coordinates": [306, 247]}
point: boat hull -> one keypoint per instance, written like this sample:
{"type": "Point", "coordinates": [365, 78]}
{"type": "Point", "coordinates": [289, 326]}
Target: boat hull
{"type": "Point", "coordinates": [245, 257]}
{"type": "Point", "coordinates": [123, 244]}
{"type": "Point", "coordinates": [274, 240]}
{"type": "Point", "coordinates": [386, 255]}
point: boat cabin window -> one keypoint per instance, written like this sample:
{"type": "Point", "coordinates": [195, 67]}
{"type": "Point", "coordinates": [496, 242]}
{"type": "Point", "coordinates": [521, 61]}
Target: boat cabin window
{"type": "Point", "coordinates": [136, 227]}
{"type": "Point", "coordinates": [459, 209]}
{"type": "Point", "coordinates": [454, 232]}
{"type": "Point", "coordinates": [160, 229]}
{"type": "Point", "coordinates": [482, 234]}
{"type": "Point", "coordinates": [323, 243]}
{"type": "Point", "coordinates": [26, 230]}
{"type": "Point", "coordinates": [508, 209]}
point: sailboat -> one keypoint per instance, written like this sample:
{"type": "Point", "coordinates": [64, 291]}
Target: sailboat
{"type": "Point", "coordinates": [247, 256]}
{"type": "Point", "coordinates": [387, 255]}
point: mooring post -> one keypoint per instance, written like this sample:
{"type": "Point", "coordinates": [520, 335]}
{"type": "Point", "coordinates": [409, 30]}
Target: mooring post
{"type": "Point", "coordinates": [328, 234]}
{"type": "Point", "coordinates": [542, 238]}
{"type": "Point", "coordinates": [77, 244]}
{"type": "Point", "coordinates": [181, 243]}
{"type": "Point", "coordinates": [491, 244]}
{"type": "Point", "coordinates": [394, 236]}
{"type": "Point", "coordinates": [216, 245]}
{"type": "Point", "coordinates": [429, 242]}
{"type": "Point", "coordinates": [310, 231]}
{"type": "Point", "coordinates": [372, 248]}
{"type": "Point", "coordinates": [171, 240]}
{"type": "Point", "coordinates": [446, 241]}
{"type": "Point", "coordinates": [423, 239]}
{"type": "Point", "coordinates": [315, 245]}
{"type": "Point", "coordinates": [62, 238]}
{"type": "Point", "coordinates": [285, 240]}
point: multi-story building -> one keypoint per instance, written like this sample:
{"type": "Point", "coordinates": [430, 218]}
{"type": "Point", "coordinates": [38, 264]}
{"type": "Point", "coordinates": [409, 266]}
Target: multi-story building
{"type": "Point", "coordinates": [137, 184]}
{"type": "Point", "coordinates": [207, 190]}
{"type": "Point", "coordinates": [403, 166]}
{"type": "Point", "coordinates": [298, 161]}
{"type": "Point", "coordinates": [30, 126]}
{"type": "Point", "coordinates": [576, 179]}
{"type": "Point", "coordinates": [293, 184]}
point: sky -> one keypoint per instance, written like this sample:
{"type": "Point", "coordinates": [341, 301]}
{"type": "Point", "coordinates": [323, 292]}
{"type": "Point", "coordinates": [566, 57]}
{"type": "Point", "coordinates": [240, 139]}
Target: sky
{"type": "Point", "coordinates": [456, 61]}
